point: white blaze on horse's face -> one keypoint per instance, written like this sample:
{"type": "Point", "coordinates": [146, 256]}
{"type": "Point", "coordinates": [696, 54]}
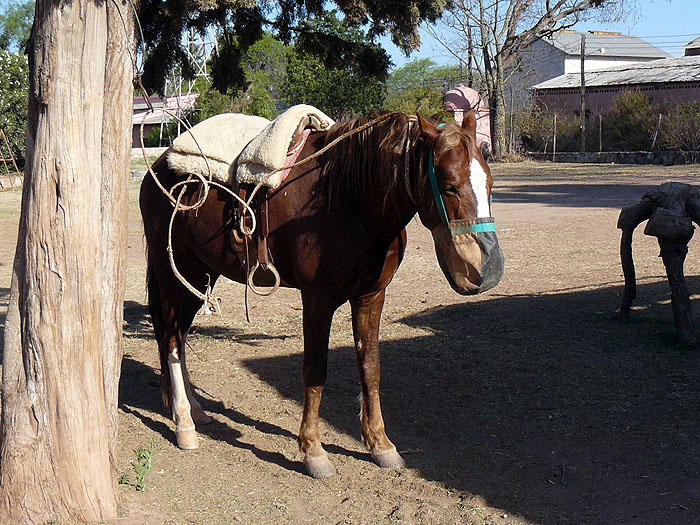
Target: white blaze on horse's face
{"type": "Point", "coordinates": [465, 237]}
{"type": "Point", "coordinates": [478, 180]}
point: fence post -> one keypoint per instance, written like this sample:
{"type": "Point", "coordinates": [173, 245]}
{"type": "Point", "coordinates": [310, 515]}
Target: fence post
{"type": "Point", "coordinates": [600, 132]}
{"type": "Point", "coordinates": [656, 132]}
{"type": "Point", "coordinates": [583, 94]}
{"type": "Point", "coordinates": [554, 140]}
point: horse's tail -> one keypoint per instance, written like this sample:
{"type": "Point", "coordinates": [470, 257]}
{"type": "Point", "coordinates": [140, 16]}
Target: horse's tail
{"type": "Point", "coordinates": [155, 309]}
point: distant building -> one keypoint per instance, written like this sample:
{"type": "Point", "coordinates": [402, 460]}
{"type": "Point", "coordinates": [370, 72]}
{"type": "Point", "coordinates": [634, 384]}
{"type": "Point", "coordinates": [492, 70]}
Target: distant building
{"type": "Point", "coordinates": [560, 54]}
{"type": "Point", "coordinates": [692, 48]}
{"type": "Point", "coordinates": [669, 81]}
{"type": "Point", "coordinates": [163, 109]}
{"type": "Point", "coordinates": [460, 100]}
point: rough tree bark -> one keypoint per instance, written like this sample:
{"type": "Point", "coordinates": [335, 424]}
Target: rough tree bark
{"type": "Point", "coordinates": [63, 328]}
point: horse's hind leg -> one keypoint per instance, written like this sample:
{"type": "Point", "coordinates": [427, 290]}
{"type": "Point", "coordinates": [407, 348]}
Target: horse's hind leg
{"type": "Point", "coordinates": [190, 307]}
{"type": "Point", "coordinates": [366, 314]}
{"type": "Point", "coordinates": [177, 308]}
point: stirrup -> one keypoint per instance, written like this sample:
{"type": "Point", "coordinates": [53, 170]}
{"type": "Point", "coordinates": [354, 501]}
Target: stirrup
{"type": "Point", "coordinates": [263, 290]}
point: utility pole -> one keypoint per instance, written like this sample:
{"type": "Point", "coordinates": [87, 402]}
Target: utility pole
{"type": "Point", "coordinates": [583, 94]}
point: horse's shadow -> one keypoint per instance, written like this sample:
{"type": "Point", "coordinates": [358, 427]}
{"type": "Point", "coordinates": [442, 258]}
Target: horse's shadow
{"type": "Point", "coordinates": [542, 404]}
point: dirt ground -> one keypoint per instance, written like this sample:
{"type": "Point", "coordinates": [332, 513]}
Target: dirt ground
{"type": "Point", "coordinates": [528, 404]}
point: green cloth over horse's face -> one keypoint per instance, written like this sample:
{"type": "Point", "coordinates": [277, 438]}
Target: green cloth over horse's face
{"type": "Point", "coordinates": [465, 237]}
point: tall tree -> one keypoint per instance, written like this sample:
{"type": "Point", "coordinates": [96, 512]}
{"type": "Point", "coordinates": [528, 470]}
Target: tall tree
{"type": "Point", "coordinates": [420, 86]}
{"type": "Point", "coordinates": [350, 80]}
{"type": "Point", "coordinates": [63, 329]}
{"type": "Point", "coordinates": [495, 31]}
{"type": "Point", "coordinates": [62, 350]}
{"type": "Point", "coordinates": [15, 24]}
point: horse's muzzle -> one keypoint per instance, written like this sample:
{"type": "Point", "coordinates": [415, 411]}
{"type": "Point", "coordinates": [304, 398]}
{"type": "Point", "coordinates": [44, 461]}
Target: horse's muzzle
{"type": "Point", "coordinates": [469, 255]}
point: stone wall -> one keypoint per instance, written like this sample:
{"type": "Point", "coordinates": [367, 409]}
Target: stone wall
{"type": "Point", "coordinates": [665, 158]}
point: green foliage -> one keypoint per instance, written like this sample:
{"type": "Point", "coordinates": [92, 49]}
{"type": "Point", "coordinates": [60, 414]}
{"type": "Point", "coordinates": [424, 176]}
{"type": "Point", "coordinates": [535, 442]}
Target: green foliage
{"type": "Point", "coordinates": [141, 466]}
{"type": "Point", "coordinates": [14, 88]}
{"type": "Point", "coordinates": [266, 59]}
{"type": "Point", "coordinates": [258, 98]}
{"type": "Point", "coordinates": [340, 85]}
{"type": "Point", "coordinates": [630, 123]}
{"type": "Point", "coordinates": [425, 100]}
{"type": "Point", "coordinates": [152, 139]}
{"type": "Point", "coordinates": [16, 24]}
{"type": "Point", "coordinates": [680, 129]}
{"type": "Point", "coordinates": [569, 133]}
{"type": "Point", "coordinates": [241, 23]}
{"type": "Point", "coordinates": [420, 86]}
{"type": "Point", "coordinates": [210, 103]}
{"type": "Point", "coordinates": [536, 129]}
{"type": "Point", "coordinates": [342, 45]}
{"type": "Point", "coordinates": [337, 92]}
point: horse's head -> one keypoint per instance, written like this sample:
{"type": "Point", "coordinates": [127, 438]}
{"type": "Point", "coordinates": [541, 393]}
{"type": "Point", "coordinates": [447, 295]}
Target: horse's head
{"type": "Point", "coordinates": [456, 207]}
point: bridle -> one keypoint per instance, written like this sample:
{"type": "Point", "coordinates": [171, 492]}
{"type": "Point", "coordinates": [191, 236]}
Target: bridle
{"type": "Point", "coordinates": [460, 226]}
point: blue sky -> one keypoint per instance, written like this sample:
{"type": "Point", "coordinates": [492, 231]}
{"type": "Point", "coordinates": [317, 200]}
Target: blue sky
{"type": "Point", "coordinates": [668, 25]}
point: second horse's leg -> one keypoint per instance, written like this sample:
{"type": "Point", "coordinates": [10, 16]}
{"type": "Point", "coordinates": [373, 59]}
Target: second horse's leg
{"type": "Point", "coordinates": [366, 315]}
{"type": "Point", "coordinates": [317, 327]}
{"type": "Point", "coordinates": [190, 307]}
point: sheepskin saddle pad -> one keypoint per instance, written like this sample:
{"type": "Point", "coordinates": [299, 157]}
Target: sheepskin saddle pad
{"type": "Point", "coordinates": [221, 139]}
{"type": "Point", "coordinates": [268, 151]}
{"type": "Point", "coordinates": [244, 147]}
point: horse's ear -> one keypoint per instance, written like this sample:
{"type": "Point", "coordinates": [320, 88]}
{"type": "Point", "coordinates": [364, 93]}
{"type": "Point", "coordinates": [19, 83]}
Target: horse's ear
{"type": "Point", "coordinates": [428, 132]}
{"type": "Point", "coordinates": [469, 123]}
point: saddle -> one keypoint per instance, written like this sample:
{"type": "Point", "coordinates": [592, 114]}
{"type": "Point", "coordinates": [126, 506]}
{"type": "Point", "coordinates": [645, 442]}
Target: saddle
{"type": "Point", "coordinates": [252, 151]}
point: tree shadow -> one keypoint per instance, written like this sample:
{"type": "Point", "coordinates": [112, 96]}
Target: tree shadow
{"type": "Point", "coordinates": [544, 405]}
{"type": "Point", "coordinates": [137, 325]}
{"type": "Point", "coordinates": [589, 195]}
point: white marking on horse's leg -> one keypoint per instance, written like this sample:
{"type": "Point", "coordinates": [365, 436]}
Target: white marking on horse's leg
{"type": "Point", "coordinates": [361, 401]}
{"type": "Point", "coordinates": [184, 426]}
{"type": "Point", "coordinates": [199, 416]}
{"type": "Point", "coordinates": [477, 178]}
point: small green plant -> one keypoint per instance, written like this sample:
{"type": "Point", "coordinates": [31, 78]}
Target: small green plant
{"type": "Point", "coordinates": [141, 466]}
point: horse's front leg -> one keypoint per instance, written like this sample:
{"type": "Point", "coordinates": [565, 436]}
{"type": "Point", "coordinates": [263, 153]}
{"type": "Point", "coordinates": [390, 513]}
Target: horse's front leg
{"type": "Point", "coordinates": [317, 326]}
{"type": "Point", "coordinates": [366, 314]}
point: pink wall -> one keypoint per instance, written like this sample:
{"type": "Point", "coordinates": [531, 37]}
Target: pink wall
{"type": "Point", "coordinates": [460, 100]}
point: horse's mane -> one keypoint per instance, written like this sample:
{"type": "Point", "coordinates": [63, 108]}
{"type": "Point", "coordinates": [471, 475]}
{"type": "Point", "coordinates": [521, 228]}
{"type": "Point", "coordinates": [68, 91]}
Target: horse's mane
{"type": "Point", "coordinates": [380, 158]}
{"type": "Point", "coordinates": [369, 161]}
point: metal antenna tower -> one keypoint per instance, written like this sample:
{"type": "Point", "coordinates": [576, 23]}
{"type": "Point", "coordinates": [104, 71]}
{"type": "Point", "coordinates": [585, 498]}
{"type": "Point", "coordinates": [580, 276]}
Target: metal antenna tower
{"type": "Point", "coordinates": [199, 48]}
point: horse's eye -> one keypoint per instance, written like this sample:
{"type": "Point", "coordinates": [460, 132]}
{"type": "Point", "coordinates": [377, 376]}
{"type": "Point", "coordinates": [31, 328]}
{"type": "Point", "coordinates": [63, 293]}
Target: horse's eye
{"type": "Point", "coordinates": [449, 188]}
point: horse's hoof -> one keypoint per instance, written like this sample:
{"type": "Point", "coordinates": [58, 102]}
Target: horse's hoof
{"type": "Point", "coordinates": [187, 439]}
{"type": "Point", "coordinates": [388, 458]}
{"type": "Point", "coordinates": [319, 467]}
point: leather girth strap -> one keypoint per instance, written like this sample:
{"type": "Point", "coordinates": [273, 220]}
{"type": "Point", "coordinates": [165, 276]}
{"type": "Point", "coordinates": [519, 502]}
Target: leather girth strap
{"type": "Point", "coordinates": [242, 243]}
{"type": "Point", "coordinates": [259, 206]}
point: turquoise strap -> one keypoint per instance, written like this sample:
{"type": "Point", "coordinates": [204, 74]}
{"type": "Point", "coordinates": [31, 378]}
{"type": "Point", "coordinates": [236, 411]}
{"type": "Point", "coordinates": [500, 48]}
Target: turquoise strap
{"type": "Point", "coordinates": [488, 226]}
{"type": "Point", "coordinates": [479, 227]}
{"type": "Point", "coordinates": [436, 190]}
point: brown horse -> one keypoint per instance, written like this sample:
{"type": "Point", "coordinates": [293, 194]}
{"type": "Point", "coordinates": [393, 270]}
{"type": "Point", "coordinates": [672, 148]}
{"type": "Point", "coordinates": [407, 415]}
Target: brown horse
{"type": "Point", "coordinates": [336, 232]}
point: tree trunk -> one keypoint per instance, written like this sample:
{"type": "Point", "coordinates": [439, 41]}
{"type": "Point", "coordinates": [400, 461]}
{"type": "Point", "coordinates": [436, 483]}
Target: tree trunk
{"type": "Point", "coordinates": [498, 121]}
{"type": "Point", "coordinates": [114, 201]}
{"type": "Point", "coordinates": [498, 112]}
{"type": "Point", "coordinates": [62, 333]}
